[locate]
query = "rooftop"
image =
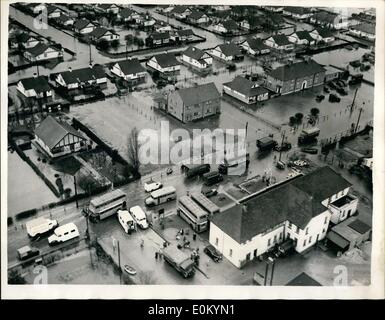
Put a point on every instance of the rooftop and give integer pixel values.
(245, 86)
(303, 279)
(166, 60)
(99, 32)
(82, 23)
(281, 39)
(229, 49)
(83, 75)
(199, 94)
(296, 70)
(304, 35)
(39, 84)
(131, 66)
(324, 16)
(194, 53)
(366, 27)
(38, 49)
(324, 32)
(195, 15)
(230, 24)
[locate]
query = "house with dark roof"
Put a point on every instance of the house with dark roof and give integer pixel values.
(252, 24)
(194, 103)
(295, 209)
(83, 26)
(108, 8)
(162, 26)
(35, 87)
(227, 26)
(54, 11)
(183, 35)
(227, 52)
(165, 63)
(198, 17)
(74, 80)
(245, 90)
(323, 34)
(197, 58)
(276, 9)
(128, 14)
(298, 13)
(158, 39)
(145, 21)
(364, 30)
(27, 40)
(65, 20)
(329, 20)
(181, 12)
(42, 52)
(255, 46)
(130, 70)
(57, 138)
(302, 37)
(279, 42)
(100, 33)
(295, 77)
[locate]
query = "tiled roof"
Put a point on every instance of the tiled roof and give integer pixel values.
(281, 39)
(324, 32)
(304, 35)
(194, 53)
(39, 84)
(195, 15)
(126, 12)
(199, 94)
(230, 49)
(179, 9)
(256, 44)
(82, 75)
(245, 87)
(230, 25)
(296, 70)
(38, 49)
(185, 32)
(131, 66)
(81, 23)
(166, 60)
(99, 32)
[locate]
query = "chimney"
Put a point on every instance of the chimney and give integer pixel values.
(35, 75)
(69, 69)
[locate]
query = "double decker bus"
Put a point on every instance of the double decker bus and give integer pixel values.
(193, 214)
(106, 205)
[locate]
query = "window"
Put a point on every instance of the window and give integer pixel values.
(216, 241)
(326, 220)
(307, 230)
(310, 239)
(304, 242)
(280, 236)
(289, 225)
(323, 230)
(275, 238)
(231, 253)
(269, 242)
(297, 229)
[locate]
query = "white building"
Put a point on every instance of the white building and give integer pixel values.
(245, 90)
(80, 78)
(227, 52)
(197, 58)
(227, 26)
(330, 20)
(41, 52)
(322, 34)
(83, 26)
(100, 33)
(302, 38)
(164, 63)
(296, 209)
(129, 70)
(279, 42)
(255, 46)
(35, 87)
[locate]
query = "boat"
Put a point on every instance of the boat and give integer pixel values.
(130, 270)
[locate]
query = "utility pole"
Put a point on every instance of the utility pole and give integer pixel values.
(89, 46)
(76, 193)
(266, 271)
(126, 50)
(280, 150)
(354, 99)
(37, 69)
(358, 120)
(247, 124)
(272, 273)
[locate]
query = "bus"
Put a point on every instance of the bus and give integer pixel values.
(106, 205)
(160, 196)
(205, 203)
(192, 170)
(192, 213)
(212, 177)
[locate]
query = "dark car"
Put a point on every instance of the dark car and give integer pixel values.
(310, 150)
(210, 192)
(27, 252)
(284, 147)
(213, 253)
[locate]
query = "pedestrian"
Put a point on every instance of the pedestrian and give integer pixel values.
(194, 236)
(156, 255)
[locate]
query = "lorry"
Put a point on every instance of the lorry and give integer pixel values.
(234, 165)
(266, 144)
(308, 135)
(192, 170)
(211, 178)
(40, 226)
(179, 260)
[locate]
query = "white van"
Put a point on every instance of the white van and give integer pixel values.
(64, 233)
(40, 226)
(126, 221)
(139, 216)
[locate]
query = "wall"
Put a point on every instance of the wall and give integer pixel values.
(175, 106)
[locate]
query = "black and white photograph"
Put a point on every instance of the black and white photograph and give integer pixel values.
(192, 144)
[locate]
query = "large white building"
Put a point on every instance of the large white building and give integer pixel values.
(299, 209)
(197, 58)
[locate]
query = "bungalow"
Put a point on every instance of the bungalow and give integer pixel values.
(298, 13)
(322, 34)
(197, 58)
(181, 12)
(145, 21)
(364, 30)
(65, 20)
(41, 52)
(227, 26)
(183, 35)
(295, 77)
(330, 20)
(295, 212)
(83, 26)
(164, 63)
(130, 70)
(252, 24)
(161, 26)
(100, 33)
(194, 103)
(81, 78)
(255, 46)
(245, 90)
(35, 87)
(279, 42)
(301, 37)
(54, 11)
(221, 8)
(128, 15)
(27, 41)
(158, 39)
(57, 138)
(167, 8)
(227, 52)
(108, 8)
(198, 17)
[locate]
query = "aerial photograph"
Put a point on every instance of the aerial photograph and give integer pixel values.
(189, 144)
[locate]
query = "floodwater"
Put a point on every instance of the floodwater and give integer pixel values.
(26, 190)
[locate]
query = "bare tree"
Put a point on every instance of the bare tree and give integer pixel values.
(133, 150)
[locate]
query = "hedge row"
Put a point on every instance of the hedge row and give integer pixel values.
(26, 214)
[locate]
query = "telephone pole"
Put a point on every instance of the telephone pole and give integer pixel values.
(280, 150)
(354, 100)
(358, 120)
(89, 46)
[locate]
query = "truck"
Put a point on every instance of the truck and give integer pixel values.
(266, 144)
(40, 226)
(234, 165)
(192, 170)
(308, 135)
(179, 260)
(211, 178)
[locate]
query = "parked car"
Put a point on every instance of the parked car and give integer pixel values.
(64, 233)
(139, 216)
(152, 186)
(213, 253)
(326, 89)
(310, 150)
(301, 163)
(320, 97)
(284, 147)
(27, 252)
(130, 270)
(334, 98)
(169, 171)
(280, 165)
(210, 192)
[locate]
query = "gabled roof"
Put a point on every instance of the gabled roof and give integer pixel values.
(256, 44)
(298, 10)
(246, 87)
(166, 60)
(296, 70)
(281, 39)
(324, 32)
(185, 32)
(82, 75)
(106, 6)
(51, 131)
(63, 18)
(127, 12)
(199, 94)
(324, 16)
(82, 23)
(366, 27)
(99, 32)
(51, 8)
(194, 53)
(229, 49)
(304, 35)
(179, 9)
(230, 24)
(39, 49)
(131, 66)
(39, 84)
(195, 15)
(24, 37)
(303, 279)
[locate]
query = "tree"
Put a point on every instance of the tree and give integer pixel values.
(103, 44)
(115, 43)
(314, 112)
(292, 120)
(298, 116)
(133, 150)
(14, 277)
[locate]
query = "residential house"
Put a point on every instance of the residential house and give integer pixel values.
(145, 21)
(298, 13)
(167, 9)
(161, 26)
(158, 39)
(227, 52)
(54, 11)
(181, 12)
(28, 41)
(255, 46)
(323, 34)
(65, 20)
(330, 20)
(35, 87)
(295, 77)
(221, 8)
(57, 138)
(83, 26)
(279, 42)
(226, 27)
(165, 63)
(197, 58)
(108, 8)
(128, 15)
(100, 33)
(294, 211)
(302, 37)
(364, 30)
(275, 9)
(252, 24)
(74, 81)
(245, 90)
(183, 35)
(130, 70)
(194, 103)
(198, 17)
(42, 51)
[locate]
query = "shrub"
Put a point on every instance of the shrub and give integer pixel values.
(9, 221)
(26, 214)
